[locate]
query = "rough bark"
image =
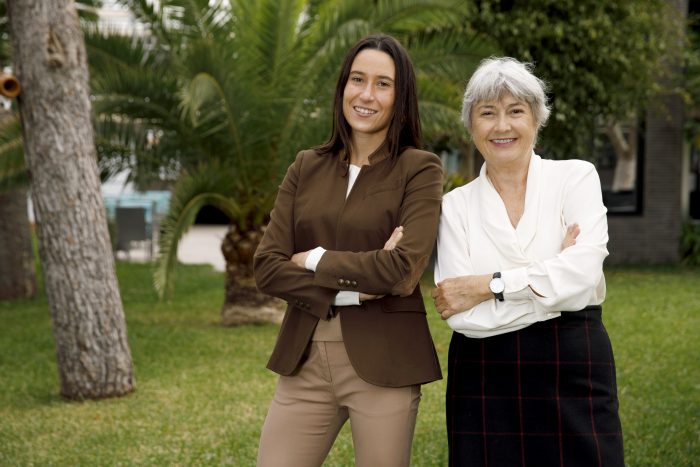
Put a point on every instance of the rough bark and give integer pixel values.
(89, 328)
(17, 276)
(243, 303)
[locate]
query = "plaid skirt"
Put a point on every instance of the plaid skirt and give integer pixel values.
(545, 395)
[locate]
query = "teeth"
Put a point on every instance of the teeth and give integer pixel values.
(365, 111)
(503, 141)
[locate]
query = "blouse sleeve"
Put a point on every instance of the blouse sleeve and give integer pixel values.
(568, 281)
(275, 273)
(396, 271)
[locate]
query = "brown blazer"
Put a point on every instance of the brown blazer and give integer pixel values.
(387, 340)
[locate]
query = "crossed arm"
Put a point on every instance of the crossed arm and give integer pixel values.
(454, 295)
(300, 258)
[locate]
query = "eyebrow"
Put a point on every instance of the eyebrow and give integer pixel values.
(491, 106)
(365, 74)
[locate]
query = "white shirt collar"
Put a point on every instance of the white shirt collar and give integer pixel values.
(511, 241)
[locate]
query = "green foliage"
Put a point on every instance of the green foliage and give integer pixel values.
(452, 181)
(13, 171)
(691, 86)
(241, 88)
(203, 390)
(601, 59)
(690, 244)
(207, 185)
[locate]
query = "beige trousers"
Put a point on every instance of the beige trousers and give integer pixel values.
(309, 409)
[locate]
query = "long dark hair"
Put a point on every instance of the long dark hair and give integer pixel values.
(404, 129)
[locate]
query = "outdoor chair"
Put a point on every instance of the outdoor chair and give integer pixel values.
(131, 229)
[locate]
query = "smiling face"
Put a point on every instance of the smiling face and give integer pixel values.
(368, 97)
(503, 130)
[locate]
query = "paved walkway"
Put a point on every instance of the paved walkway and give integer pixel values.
(200, 245)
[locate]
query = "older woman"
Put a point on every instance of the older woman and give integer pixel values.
(520, 280)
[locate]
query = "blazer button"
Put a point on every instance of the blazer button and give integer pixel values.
(341, 282)
(354, 284)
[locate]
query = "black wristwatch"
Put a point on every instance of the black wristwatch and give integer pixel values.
(497, 286)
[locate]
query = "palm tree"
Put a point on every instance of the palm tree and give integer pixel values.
(223, 94)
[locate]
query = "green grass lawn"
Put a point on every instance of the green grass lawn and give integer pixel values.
(203, 390)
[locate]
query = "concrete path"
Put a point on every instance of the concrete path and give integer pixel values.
(200, 245)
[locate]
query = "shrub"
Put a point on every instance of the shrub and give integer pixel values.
(690, 244)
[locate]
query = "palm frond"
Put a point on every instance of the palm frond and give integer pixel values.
(109, 47)
(243, 85)
(210, 186)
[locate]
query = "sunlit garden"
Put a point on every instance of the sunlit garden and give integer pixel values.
(202, 390)
(188, 111)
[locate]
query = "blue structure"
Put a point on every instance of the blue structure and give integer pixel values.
(156, 203)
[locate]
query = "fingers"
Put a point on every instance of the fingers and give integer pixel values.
(572, 231)
(365, 297)
(300, 258)
(440, 303)
(394, 239)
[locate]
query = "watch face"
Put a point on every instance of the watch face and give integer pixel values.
(497, 285)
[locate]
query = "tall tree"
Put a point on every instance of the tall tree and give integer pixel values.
(93, 355)
(17, 275)
(601, 59)
(250, 83)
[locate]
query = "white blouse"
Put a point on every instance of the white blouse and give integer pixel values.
(476, 237)
(343, 297)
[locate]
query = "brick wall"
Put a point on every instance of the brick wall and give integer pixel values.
(652, 237)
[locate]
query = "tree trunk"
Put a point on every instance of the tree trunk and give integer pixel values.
(89, 328)
(469, 166)
(17, 277)
(243, 303)
(625, 177)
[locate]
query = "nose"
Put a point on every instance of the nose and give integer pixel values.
(367, 92)
(502, 123)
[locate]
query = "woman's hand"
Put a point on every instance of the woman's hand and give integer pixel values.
(300, 258)
(572, 232)
(390, 244)
(366, 297)
(394, 239)
(458, 294)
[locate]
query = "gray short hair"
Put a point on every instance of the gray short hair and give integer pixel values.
(498, 75)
